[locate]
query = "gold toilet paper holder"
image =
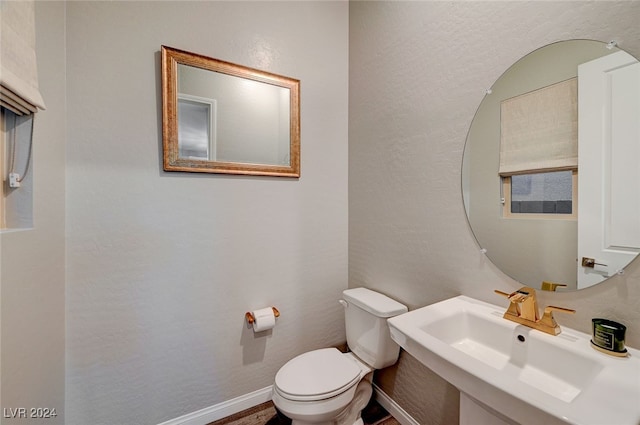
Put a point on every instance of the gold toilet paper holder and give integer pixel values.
(250, 319)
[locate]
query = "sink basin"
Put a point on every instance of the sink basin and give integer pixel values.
(523, 374)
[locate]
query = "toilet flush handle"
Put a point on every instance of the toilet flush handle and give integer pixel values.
(344, 303)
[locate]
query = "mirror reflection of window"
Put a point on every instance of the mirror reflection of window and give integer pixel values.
(542, 193)
(538, 143)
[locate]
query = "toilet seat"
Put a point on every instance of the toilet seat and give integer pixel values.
(317, 375)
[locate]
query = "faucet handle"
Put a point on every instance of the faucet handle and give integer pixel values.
(549, 320)
(551, 308)
(515, 298)
(513, 307)
(518, 296)
(522, 303)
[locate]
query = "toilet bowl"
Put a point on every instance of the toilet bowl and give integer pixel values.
(323, 387)
(327, 387)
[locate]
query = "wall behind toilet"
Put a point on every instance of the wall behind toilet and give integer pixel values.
(161, 267)
(418, 71)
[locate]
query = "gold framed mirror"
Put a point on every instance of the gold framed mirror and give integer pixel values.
(220, 117)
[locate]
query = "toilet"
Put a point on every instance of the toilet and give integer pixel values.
(328, 387)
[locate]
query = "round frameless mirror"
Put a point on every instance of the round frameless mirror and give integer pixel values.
(551, 173)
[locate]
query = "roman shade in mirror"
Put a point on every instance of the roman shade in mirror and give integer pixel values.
(18, 66)
(539, 130)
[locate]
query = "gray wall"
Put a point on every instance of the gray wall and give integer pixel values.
(161, 267)
(418, 71)
(32, 261)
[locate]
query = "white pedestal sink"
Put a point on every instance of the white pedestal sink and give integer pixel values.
(526, 375)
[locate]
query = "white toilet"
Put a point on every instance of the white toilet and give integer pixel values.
(327, 387)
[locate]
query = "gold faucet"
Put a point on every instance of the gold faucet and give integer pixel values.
(523, 309)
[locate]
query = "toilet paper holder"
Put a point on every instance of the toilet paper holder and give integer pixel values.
(250, 319)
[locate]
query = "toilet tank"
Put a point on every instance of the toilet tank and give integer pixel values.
(366, 313)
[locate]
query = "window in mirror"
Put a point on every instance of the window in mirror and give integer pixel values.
(550, 194)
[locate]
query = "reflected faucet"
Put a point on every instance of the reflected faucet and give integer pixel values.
(523, 309)
(551, 286)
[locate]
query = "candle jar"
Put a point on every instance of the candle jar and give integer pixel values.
(608, 336)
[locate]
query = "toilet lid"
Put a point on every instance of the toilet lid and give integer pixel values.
(317, 375)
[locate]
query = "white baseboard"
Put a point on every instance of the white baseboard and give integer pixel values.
(247, 401)
(224, 409)
(392, 407)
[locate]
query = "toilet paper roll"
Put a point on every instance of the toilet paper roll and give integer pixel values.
(263, 319)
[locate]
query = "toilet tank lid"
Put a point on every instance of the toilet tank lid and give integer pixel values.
(374, 302)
